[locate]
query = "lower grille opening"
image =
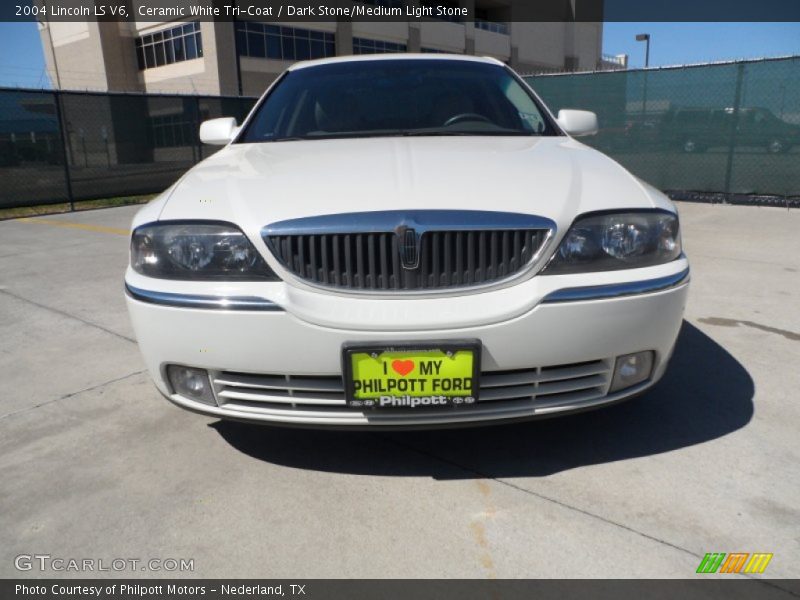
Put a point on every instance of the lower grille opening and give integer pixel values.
(541, 387)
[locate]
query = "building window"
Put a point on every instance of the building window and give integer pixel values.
(169, 46)
(367, 46)
(169, 131)
(492, 26)
(437, 51)
(283, 43)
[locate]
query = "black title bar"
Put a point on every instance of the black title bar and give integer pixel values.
(396, 589)
(400, 10)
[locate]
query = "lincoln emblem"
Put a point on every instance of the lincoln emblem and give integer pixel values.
(407, 244)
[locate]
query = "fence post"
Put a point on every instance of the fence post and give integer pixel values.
(63, 131)
(238, 51)
(197, 151)
(737, 99)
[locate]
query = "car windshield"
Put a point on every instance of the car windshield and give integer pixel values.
(402, 97)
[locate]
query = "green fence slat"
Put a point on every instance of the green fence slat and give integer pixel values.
(732, 127)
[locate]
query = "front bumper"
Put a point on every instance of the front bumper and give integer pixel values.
(274, 366)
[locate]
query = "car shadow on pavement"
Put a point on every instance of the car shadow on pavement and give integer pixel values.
(705, 394)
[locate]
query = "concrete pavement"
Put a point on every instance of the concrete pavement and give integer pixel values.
(95, 464)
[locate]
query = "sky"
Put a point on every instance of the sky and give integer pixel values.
(21, 57)
(682, 43)
(22, 62)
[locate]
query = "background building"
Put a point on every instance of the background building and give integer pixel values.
(243, 57)
(140, 141)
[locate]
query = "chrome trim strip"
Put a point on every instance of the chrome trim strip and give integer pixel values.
(357, 419)
(192, 301)
(615, 290)
(386, 221)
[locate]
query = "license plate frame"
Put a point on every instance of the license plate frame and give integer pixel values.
(378, 349)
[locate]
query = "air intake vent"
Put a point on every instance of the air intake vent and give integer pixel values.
(375, 261)
(408, 256)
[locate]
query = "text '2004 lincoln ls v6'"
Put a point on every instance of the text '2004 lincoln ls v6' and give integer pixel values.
(404, 240)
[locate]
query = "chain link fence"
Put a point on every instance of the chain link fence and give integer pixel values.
(65, 146)
(727, 128)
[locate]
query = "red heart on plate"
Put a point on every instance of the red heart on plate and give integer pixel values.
(404, 367)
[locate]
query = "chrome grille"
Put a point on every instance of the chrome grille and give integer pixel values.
(540, 387)
(413, 250)
(375, 261)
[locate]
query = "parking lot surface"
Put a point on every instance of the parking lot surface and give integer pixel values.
(94, 463)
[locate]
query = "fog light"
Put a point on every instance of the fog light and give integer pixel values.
(191, 383)
(631, 369)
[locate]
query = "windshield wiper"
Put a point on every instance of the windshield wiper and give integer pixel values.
(402, 133)
(431, 133)
(423, 133)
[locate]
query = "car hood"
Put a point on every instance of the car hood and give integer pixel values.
(254, 185)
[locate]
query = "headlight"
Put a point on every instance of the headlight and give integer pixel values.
(610, 241)
(197, 251)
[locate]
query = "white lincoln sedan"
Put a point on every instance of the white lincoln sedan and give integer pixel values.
(404, 241)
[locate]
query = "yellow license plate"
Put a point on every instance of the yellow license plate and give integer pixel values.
(422, 375)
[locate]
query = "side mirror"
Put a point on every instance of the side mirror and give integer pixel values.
(578, 122)
(218, 132)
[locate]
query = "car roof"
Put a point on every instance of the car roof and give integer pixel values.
(393, 56)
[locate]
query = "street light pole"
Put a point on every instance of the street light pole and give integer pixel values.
(645, 37)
